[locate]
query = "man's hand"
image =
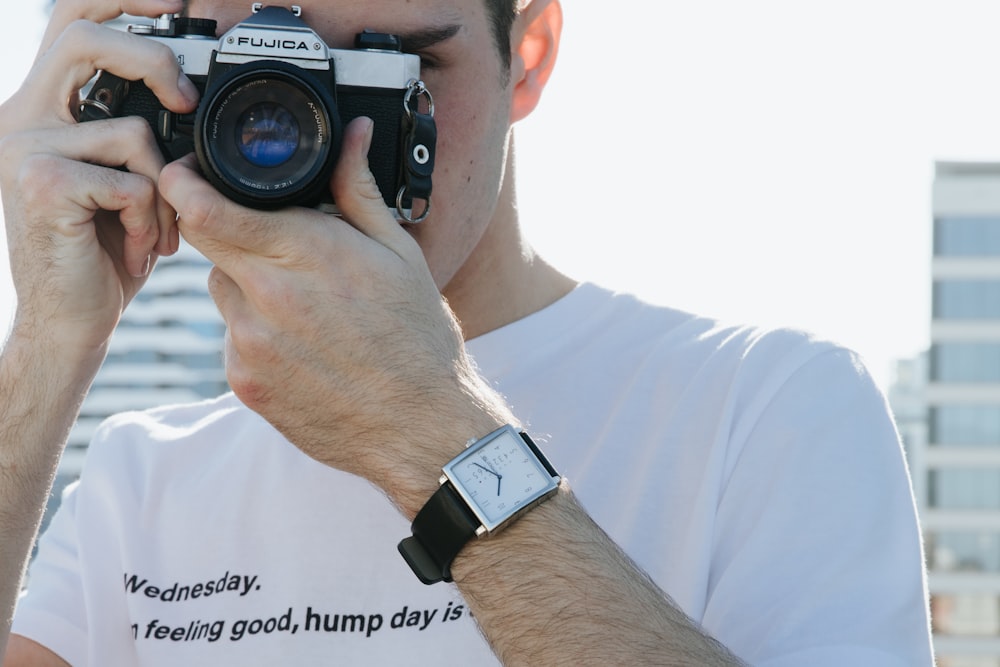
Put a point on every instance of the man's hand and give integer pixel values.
(82, 235)
(82, 232)
(337, 333)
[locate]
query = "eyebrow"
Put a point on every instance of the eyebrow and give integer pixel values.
(422, 39)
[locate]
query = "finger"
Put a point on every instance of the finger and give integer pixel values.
(66, 11)
(225, 293)
(247, 339)
(200, 209)
(83, 190)
(127, 142)
(230, 303)
(84, 48)
(249, 335)
(133, 197)
(221, 229)
(117, 142)
(356, 192)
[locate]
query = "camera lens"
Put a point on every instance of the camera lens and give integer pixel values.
(268, 135)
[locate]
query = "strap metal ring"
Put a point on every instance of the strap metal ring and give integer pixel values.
(418, 88)
(100, 106)
(407, 214)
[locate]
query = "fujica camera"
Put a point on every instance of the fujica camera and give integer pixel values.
(274, 101)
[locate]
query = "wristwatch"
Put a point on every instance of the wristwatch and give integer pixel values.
(484, 489)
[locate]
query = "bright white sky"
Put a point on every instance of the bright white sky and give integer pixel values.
(765, 161)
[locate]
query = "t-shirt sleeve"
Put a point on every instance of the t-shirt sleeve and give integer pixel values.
(817, 556)
(51, 611)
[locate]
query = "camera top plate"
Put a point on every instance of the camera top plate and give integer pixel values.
(274, 32)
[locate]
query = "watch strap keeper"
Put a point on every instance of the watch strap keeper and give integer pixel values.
(440, 530)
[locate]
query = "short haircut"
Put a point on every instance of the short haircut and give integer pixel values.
(502, 14)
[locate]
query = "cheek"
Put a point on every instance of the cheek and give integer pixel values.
(471, 140)
(472, 122)
(465, 201)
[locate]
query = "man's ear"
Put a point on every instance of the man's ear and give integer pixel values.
(534, 46)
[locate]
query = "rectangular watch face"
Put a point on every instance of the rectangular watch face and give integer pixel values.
(500, 476)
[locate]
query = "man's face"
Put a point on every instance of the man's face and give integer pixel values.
(464, 74)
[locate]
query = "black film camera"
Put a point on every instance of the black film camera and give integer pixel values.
(274, 101)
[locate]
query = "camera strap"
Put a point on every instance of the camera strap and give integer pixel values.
(419, 142)
(105, 98)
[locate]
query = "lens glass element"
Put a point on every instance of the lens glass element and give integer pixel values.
(267, 134)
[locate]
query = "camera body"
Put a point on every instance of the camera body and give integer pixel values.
(274, 101)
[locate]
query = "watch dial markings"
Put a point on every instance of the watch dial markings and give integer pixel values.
(504, 457)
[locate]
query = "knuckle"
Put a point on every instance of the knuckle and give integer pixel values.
(199, 213)
(217, 284)
(78, 33)
(38, 177)
(368, 188)
(251, 392)
(136, 130)
(118, 189)
(362, 188)
(272, 295)
(242, 380)
(141, 190)
(253, 341)
(132, 194)
(13, 114)
(163, 58)
(11, 148)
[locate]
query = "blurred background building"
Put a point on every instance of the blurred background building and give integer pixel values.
(947, 406)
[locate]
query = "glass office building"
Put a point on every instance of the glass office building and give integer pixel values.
(956, 459)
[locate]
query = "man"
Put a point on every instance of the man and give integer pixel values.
(755, 476)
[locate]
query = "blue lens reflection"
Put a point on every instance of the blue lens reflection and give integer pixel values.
(267, 134)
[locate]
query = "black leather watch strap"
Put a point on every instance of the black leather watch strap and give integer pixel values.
(442, 527)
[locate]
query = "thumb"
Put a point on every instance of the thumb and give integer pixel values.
(354, 188)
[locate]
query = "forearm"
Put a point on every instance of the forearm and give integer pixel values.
(40, 397)
(553, 589)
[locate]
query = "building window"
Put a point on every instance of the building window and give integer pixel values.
(965, 614)
(965, 362)
(965, 425)
(964, 489)
(967, 237)
(966, 299)
(963, 551)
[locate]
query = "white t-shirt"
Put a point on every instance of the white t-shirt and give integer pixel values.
(756, 476)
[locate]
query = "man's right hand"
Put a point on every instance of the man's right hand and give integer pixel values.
(82, 232)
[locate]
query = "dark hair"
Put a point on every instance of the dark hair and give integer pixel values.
(502, 14)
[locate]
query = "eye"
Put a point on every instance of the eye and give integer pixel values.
(428, 62)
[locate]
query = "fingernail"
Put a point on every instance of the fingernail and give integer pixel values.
(369, 131)
(187, 88)
(145, 267)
